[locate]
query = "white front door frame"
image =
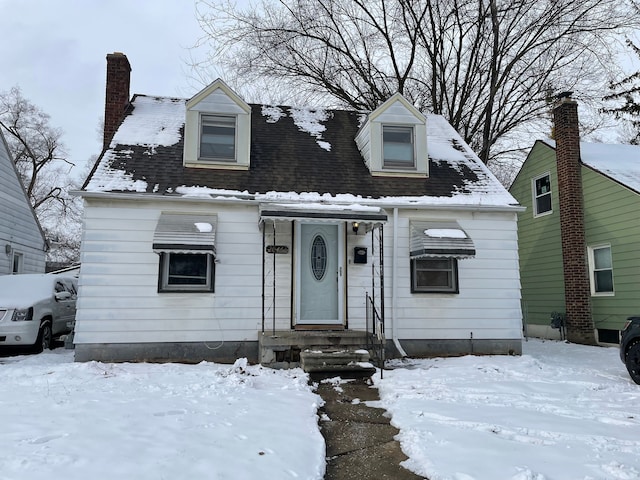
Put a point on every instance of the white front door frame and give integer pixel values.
(300, 260)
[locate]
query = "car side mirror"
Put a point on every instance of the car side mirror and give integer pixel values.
(63, 296)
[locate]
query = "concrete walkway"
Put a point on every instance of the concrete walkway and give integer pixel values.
(359, 439)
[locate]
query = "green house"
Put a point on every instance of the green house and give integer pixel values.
(610, 204)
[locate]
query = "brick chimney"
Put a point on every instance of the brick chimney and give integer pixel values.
(117, 94)
(580, 327)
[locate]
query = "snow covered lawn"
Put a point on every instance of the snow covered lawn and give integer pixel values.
(558, 412)
(65, 420)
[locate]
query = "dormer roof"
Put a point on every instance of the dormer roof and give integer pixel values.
(390, 102)
(218, 96)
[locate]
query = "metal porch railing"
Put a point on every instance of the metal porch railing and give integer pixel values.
(375, 332)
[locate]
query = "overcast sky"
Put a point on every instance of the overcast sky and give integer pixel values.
(55, 50)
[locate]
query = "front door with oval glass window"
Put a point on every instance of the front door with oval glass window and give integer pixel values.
(319, 279)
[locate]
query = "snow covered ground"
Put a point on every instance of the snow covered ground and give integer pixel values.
(78, 421)
(558, 412)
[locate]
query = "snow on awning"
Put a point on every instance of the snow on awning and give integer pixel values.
(440, 239)
(318, 212)
(182, 233)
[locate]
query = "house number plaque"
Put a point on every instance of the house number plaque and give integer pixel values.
(277, 249)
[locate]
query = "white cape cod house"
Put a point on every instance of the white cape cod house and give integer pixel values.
(215, 229)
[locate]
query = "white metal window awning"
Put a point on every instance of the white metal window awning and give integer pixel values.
(440, 239)
(185, 233)
(319, 212)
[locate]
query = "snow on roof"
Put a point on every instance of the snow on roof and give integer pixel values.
(273, 114)
(109, 179)
(620, 162)
(307, 120)
(445, 233)
(157, 121)
(617, 161)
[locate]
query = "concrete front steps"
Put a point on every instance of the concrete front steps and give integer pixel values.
(318, 351)
(338, 362)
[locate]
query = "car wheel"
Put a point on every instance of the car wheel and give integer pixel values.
(45, 338)
(632, 361)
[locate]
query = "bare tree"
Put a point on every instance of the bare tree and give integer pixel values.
(486, 65)
(44, 170)
(623, 103)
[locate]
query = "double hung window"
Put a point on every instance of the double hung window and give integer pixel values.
(218, 138)
(398, 146)
(542, 194)
(601, 270)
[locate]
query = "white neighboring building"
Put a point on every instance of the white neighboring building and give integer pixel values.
(213, 228)
(22, 243)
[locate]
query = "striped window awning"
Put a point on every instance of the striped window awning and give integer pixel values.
(440, 239)
(185, 233)
(323, 213)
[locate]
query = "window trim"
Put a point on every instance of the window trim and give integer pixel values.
(455, 287)
(204, 159)
(535, 196)
(399, 165)
(592, 270)
(163, 275)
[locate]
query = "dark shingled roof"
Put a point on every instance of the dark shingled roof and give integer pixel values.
(283, 158)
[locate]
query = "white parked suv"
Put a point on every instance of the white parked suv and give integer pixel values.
(36, 308)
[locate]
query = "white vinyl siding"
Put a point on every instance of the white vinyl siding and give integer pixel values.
(488, 303)
(119, 300)
(18, 227)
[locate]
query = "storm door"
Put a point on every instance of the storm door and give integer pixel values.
(319, 280)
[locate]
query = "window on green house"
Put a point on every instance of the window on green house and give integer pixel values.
(542, 194)
(601, 270)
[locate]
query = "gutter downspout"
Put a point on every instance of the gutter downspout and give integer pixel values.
(394, 286)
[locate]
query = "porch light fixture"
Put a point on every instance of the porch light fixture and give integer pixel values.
(354, 227)
(7, 249)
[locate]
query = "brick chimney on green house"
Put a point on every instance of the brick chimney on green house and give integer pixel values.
(117, 94)
(579, 322)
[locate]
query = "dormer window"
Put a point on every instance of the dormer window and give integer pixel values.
(218, 138)
(393, 140)
(217, 129)
(398, 146)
